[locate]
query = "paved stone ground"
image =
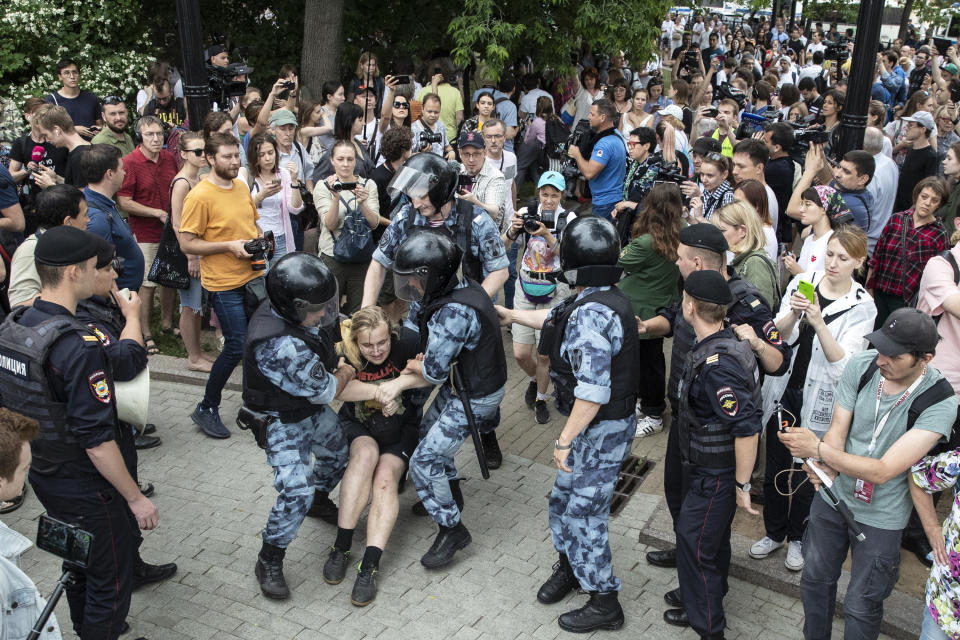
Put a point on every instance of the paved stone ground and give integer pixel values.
(214, 495)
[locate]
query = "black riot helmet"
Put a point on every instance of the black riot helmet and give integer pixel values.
(426, 175)
(299, 284)
(426, 265)
(589, 251)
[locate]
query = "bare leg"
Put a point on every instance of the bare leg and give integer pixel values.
(525, 358)
(167, 297)
(190, 333)
(146, 309)
(355, 485)
(543, 373)
(386, 504)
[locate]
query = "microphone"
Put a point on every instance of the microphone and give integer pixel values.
(38, 154)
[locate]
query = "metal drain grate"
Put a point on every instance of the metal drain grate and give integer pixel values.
(633, 471)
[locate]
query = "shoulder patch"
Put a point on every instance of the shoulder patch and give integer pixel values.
(89, 338)
(772, 334)
(99, 386)
(101, 336)
(754, 303)
(318, 372)
(576, 359)
(599, 153)
(728, 401)
(713, 359)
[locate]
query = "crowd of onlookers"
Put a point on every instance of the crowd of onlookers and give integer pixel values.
(716, 127)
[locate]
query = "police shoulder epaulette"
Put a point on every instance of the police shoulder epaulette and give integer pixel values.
(715, 358)
(89, 338)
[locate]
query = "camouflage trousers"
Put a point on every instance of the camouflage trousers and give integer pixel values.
(306, 456)
(443, 430)
(579, 504)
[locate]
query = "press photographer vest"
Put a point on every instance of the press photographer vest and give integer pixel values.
(586, 149)
(259, 394)
(462, 234)
(623, 377)
(711, 445)
(25, 388)
(484, 369)
(684, 336)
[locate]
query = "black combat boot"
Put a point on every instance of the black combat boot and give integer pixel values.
(602, 611)
(420, 510)
(269, 572)
(449, 540)
(559, 584)
(323, 507)
(491, 449)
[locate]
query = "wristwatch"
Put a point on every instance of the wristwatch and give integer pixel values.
(745, 486)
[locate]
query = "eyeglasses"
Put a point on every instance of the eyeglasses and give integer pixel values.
(632, 143)
(401, 105)
(152, 134)
(70, 72)
(196, 152)
(112, 100)
(493, 136)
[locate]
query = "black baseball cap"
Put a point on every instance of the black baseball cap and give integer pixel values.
(704, 235)
(706, 145)
(904, 331)
(471, 139)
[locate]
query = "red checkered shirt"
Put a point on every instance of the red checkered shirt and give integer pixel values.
(902, 252)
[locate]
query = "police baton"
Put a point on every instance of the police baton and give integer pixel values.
(471, 422)
(826, 484)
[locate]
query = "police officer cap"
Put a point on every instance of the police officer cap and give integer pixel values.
(708, 285)
(704, 236)
(62, 246)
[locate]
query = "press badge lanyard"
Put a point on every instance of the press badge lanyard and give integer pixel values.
(882, 422)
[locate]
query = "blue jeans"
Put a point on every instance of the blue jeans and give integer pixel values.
(604, 210)
(875, 566)
(510, 286)
(233, 324)
(930, 629)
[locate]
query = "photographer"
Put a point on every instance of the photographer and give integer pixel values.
(686, 58)
(489, 190)
(603, 158)
(16, 432)
(427, 135)
(537, 232)
(219, 218)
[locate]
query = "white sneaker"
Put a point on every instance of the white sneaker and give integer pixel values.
(762, 548)
(640, 414)
(794, 560)
(649, 425)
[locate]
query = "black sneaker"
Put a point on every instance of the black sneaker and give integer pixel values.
(543, 414)
(531, 395)
(335, 568)
(491, 449)
(209, 422)
(365, 586)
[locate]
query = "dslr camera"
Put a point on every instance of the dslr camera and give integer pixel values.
(577, 137)
(343, 186)
(534, 216)
(260, 250)
(430, 137)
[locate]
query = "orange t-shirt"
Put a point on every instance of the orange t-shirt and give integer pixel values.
(216, 214)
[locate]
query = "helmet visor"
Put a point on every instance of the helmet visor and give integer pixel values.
(411, 182)
(410, 285)
(323, 314)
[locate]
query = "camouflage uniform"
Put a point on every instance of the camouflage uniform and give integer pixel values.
(444, 427)
(293, 367)
(486, 245)
(580, 499)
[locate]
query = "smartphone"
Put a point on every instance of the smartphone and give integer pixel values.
(402, 79)
(67, 541)
(806, 290)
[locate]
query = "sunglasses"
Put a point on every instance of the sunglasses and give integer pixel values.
(196, 152)
(111, 100)
(713, 156)
(401, 105)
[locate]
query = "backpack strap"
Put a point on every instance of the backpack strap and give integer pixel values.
(948, 256)
(867, 375)
(939, 392)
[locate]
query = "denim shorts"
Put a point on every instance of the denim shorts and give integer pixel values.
(192, 298)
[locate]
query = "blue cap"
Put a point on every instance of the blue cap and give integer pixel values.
(553, 179)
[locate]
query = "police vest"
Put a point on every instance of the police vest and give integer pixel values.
(462, 234)
(25, 388)
(684, 336)
(259, 393)
(623, 367)
(484, 369)
(711, 444)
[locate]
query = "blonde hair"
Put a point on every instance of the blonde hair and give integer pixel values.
(854, 242)
(366, 319)
(742, 214)
(365, 57)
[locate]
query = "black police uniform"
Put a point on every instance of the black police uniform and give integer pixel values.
(64, 381)
(748, 307)
(719, 402)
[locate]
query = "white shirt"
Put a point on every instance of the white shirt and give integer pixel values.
(528, 103)
(507, 165)
(813, 251)
(419, 126)
(812, 48)
(883, 188)
(773, 206)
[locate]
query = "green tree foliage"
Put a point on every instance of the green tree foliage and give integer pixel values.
(108, 38)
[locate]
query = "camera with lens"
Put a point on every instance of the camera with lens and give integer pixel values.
(811, 135)
(726, 90)
(691, 60)
(260, 250)
(338, 185)
(223, 83)
(672, 173)
(578, 137)
(837, 51)
(751, 123)
(430, 137)
(118, 263)
(531, 217)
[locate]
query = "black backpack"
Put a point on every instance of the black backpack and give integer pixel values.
(556, 134)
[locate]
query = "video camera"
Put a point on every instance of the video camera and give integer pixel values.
(223, 81)
(691, 60)
(726, 91)
(837, 51)
(577, 137)
(751, 123)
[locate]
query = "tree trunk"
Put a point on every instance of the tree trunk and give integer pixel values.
(905, 19)
(322, 44)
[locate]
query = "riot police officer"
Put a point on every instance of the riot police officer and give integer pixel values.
(703, 247)
(458, 328)
(718, 424)
(56, 371)
(431, 183)
(593, 344)
(115, 320)
(290, 374)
